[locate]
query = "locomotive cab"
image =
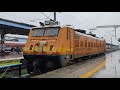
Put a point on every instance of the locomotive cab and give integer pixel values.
(43, 40)
(47, 38)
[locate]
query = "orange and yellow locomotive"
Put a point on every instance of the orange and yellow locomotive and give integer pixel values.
(54, 46)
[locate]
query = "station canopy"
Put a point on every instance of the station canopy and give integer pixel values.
(13, 27)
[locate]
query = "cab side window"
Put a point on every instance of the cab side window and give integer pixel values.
(68, 34)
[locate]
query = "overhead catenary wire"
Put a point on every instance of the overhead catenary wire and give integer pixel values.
(50, 14)
(33, 20)
(43, 18)
(45, 15)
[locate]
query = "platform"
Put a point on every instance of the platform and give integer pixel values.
(11, 56)
(111, 68)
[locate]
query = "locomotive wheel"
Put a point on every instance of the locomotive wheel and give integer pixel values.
(36, 67)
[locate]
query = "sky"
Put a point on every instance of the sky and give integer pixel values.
(80, 20)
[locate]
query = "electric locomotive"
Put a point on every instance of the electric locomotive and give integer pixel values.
(54, 46)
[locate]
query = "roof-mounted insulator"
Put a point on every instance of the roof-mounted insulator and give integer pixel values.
(51, 22)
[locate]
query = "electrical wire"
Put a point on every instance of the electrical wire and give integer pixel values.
(50, 14)
(44, 15)
(43, 18)
(34, 20)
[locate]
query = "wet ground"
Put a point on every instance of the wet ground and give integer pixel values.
(107, 66)
(111, 69)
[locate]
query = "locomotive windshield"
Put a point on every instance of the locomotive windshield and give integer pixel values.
(38, 32)
(52, 31)
(45, 31)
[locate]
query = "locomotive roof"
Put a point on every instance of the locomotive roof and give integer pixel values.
(46, 26)
(69, 27)
(89, 36)
(60, 26)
